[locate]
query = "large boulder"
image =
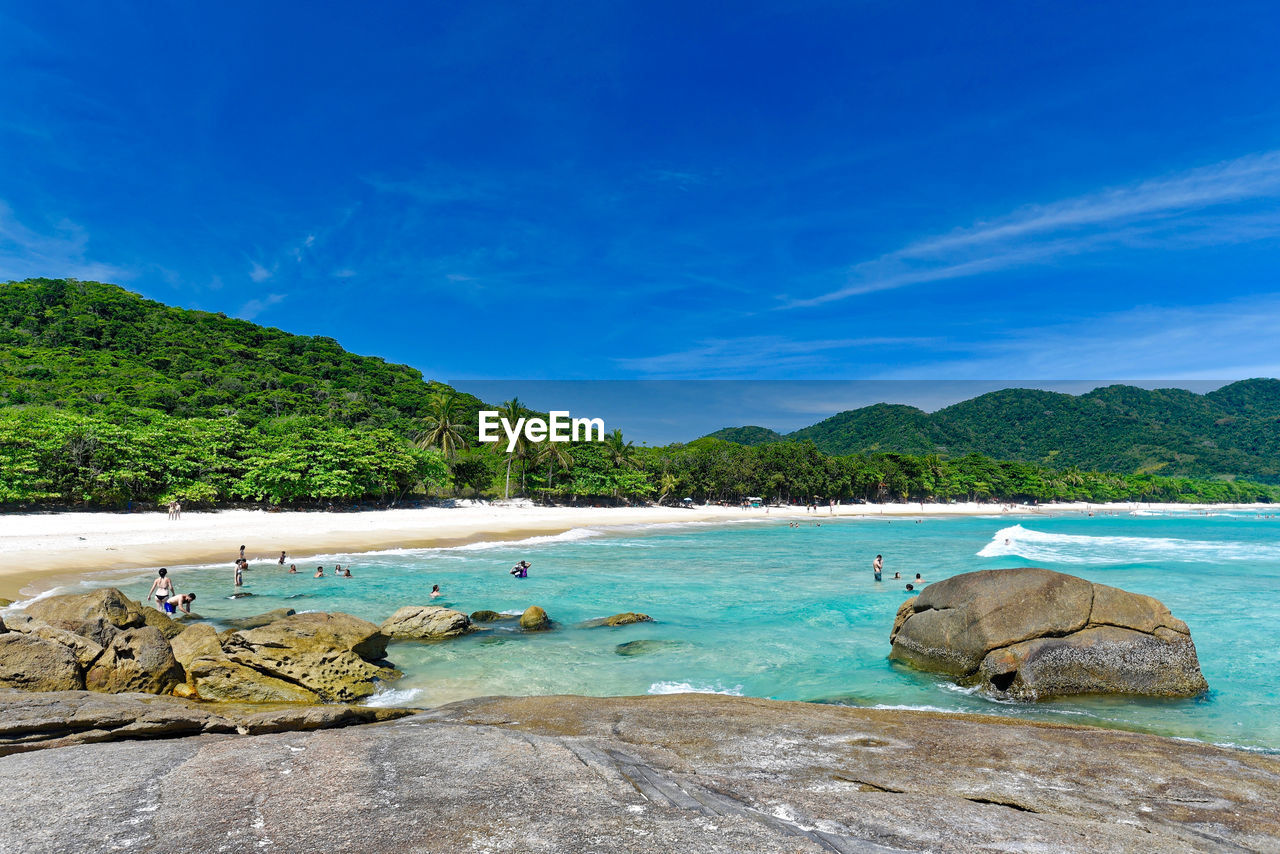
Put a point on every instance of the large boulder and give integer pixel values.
(220, 678)
(1032, 634)
(136, 660)
(97, 615)
(85, 650)
(332, 655)
(534, 619)
(199, 640)
(426, 622)
(34, 663)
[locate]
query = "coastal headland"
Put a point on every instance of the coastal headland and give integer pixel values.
(43, 550)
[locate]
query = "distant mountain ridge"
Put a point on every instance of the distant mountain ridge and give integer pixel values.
(1233, 431)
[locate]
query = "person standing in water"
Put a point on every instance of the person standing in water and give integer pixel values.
(877, 566)
(239, 573)
(161, 589)
(282, 558)
(175, 603)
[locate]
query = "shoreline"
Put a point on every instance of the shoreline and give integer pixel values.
(46, 550)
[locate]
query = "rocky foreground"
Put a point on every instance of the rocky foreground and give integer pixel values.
(677, 773)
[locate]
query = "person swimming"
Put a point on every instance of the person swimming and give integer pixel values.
(346, 573)
(910, 588)
(319, 572)
(293, 568)
(521, 569)
(435, 591)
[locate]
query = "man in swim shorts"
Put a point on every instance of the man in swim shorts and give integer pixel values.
(877, 565)
(182, 601)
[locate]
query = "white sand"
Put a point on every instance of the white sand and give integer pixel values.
(42, 550)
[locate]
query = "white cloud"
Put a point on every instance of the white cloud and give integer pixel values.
(255, 307)
(1181, 211)
(344, 273)
(259, 273)
(61, 251)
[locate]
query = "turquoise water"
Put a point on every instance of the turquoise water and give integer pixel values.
(762, 609)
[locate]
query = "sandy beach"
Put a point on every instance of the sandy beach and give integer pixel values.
(43, 550)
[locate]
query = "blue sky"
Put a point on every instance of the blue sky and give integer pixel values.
(896, 190)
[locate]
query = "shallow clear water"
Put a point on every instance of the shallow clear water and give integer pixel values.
(765, 610)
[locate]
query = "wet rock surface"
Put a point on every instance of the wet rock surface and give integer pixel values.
(1033, 634)
(681, 773)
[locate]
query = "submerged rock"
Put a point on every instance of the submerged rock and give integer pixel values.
(426, 622)
(491, 616)
(647, 647)
(618, 620)
(534, 619)
(1032, 634)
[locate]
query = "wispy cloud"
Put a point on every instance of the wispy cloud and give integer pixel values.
(63, 250)
(259, 273)
(255, 307)
(1223, 341)
(1187, 209)
(751, 356)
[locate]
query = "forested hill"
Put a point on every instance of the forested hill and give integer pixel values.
(102, 350)
(1231, 432)
(746, 435)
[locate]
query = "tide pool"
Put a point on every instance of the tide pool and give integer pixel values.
(762, 609)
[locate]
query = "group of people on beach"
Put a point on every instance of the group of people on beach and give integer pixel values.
(167, 599)
(175, 511)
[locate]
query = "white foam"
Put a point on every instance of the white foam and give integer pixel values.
(387, 697)
(690, 688)
(570, 536)
(1078, 548)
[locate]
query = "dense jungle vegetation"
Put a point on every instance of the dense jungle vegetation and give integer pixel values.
(111, 400)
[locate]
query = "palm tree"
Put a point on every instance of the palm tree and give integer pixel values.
(441, 426)
(553, 454)
(668, 485)
(513, 410)
(620, 454)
